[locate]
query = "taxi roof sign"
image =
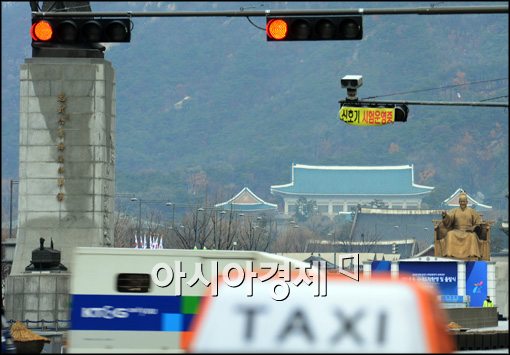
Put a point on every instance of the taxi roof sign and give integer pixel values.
(378, 315)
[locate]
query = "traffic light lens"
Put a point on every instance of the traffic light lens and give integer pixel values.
(301, 29)
(325, 29)
(116, 31)
(91, 31)
(68, 32)
(41, 31)
(350, 29)
(277, 29)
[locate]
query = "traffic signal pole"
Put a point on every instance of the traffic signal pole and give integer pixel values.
(431, 10)
(362, 112)
(430, 103)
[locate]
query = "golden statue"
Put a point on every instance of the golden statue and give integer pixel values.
(463, 226)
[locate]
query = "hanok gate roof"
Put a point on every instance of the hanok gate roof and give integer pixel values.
(453, 201)
(351, 180)
(247, 201)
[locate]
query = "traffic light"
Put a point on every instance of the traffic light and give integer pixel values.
(80, 30)
(373, 114)
(314, 28)
(394, 248)
(401, 112)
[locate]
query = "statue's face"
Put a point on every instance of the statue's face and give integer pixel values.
(463, 202)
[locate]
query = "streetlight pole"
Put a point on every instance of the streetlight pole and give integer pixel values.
(139, 217)
(333, 234)
(12, 182)
(140, 201)
(173, 212)
(401, 236)
(139, 213)
(200, 209)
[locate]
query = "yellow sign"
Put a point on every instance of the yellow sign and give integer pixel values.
(367, 116)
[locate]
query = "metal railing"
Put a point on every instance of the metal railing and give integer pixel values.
(43, 326)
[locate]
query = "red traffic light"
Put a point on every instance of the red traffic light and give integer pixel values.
(277, 29)
(314, 28)
(78, 30)
(41, 31)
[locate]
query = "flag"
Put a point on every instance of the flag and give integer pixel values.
(136, 242)
(160, 242)
(150, 242)
(144, 241)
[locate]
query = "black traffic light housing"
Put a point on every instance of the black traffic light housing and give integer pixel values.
(76, 36)
(401, 111)
(84, 30)
(314, 28)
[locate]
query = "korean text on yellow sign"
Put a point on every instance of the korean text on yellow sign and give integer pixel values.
(367, 116)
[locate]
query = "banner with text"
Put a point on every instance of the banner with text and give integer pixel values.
(442, 274)
(367, 116)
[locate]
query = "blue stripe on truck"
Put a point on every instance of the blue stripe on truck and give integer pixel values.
(128, 312)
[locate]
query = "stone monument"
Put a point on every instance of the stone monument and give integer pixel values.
(66, 176)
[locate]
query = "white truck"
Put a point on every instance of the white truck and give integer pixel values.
(138, 301)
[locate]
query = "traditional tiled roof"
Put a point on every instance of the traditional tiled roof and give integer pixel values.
(246, 201)
(398, 225)
(352, 180)
(405, 247)
(453, 201)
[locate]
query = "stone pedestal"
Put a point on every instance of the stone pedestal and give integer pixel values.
(38, 296)
(66, 178)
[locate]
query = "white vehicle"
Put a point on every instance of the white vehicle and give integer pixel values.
(139, 301)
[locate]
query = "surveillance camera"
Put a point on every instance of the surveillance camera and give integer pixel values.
(351, 81)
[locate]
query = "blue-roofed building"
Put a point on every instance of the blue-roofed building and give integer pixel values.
(453, 201)
(340, 189)
(247, 202)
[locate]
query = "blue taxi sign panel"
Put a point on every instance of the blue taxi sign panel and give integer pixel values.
(372, 316)
(367, 116)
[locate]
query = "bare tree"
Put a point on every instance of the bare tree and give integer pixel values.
(294, 240)
(153, 224)
(184, 233)
(369, 241)
(366, 244)
(320, 224)
(225, 230)
(254, 236)
(195, 229)
(124, 229)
